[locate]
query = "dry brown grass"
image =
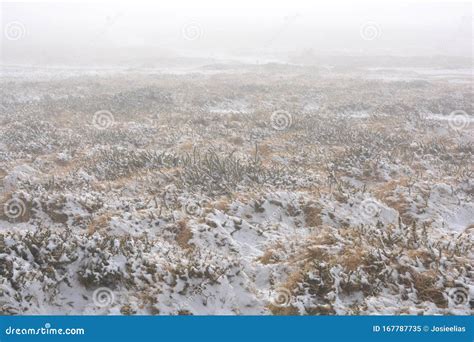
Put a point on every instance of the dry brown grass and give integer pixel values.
(289, 310)
(352, 258)
(312, 215)
(184, 235)
(239, 141)
(421, 254)
(323, 237)
(313, 253)
(98, 224)
(186, 147)
(384, 189)
(424, 283)
(265, 150)
(268, 258)
(402, 205)
(222, 204)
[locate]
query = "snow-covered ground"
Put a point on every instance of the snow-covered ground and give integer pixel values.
(262, 190)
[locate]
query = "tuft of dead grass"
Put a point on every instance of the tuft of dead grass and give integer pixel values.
(184, 235)
(425, 285)
(98, 224)
(312, 215)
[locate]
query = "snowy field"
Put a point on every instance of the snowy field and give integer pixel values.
(241, 189)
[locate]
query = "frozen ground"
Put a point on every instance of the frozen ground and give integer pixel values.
(243, 189)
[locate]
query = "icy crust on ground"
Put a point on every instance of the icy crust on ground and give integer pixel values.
(192, 198)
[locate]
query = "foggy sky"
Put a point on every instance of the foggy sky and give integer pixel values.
(111, 32)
